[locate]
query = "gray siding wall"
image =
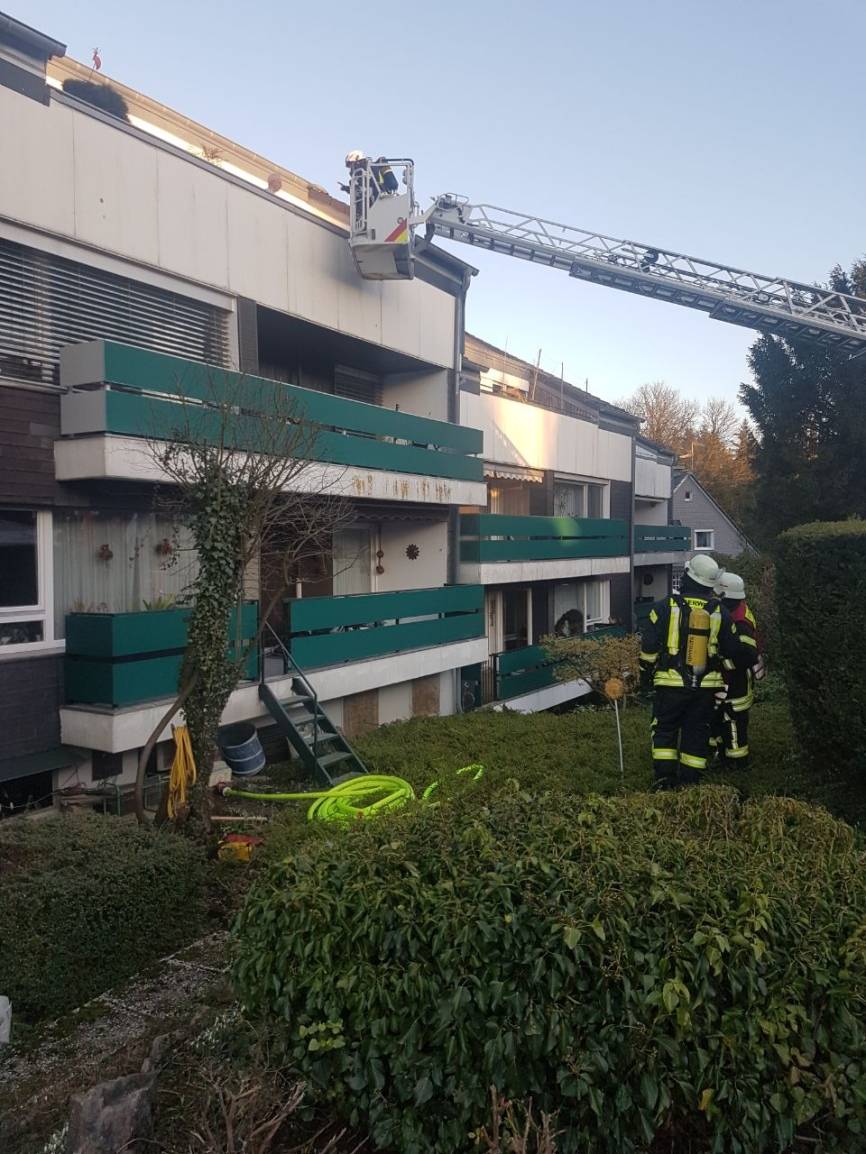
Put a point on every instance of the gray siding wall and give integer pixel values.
(31, 690)
(621, 598)
(701, 513)
(620, 500)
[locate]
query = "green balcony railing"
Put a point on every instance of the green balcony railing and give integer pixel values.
(121, 659)
(662, 538)
(498, 537)
(152, 395)
(332, 630)
(523, 670)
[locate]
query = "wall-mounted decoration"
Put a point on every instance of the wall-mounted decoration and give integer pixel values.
(413, 552)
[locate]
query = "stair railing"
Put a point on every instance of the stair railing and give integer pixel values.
(291, 666)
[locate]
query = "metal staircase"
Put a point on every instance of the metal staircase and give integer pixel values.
(321, 748)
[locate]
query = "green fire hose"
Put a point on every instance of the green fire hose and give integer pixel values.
(357, 797)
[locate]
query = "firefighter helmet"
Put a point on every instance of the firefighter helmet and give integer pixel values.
(355, 157)
(703, 570)
(731, 585)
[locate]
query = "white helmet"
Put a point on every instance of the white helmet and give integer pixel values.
(703, 570)
(355, 156)
(732, 586)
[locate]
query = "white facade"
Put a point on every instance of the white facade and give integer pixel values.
(522, 434)
(90, 180)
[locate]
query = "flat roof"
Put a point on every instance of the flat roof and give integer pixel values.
(28, 40)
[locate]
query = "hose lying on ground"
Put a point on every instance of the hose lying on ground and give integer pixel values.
(357, 797)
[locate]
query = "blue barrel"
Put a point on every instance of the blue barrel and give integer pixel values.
(242, 749)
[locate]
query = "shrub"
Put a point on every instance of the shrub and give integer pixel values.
(597, 660)
(759, 574)
(683, 968)
(86, 901)
(823, 640)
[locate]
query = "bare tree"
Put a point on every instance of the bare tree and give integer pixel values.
(241, 460)
(669, 419)
(719, 422)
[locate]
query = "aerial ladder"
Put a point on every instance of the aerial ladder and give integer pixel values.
(385, 236)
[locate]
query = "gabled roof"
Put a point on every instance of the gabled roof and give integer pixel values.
(682, 475)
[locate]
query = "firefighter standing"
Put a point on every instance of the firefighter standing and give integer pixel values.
(732, 731)
(685, 641)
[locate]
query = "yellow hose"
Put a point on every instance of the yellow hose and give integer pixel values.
(358, 797)
(183, 774)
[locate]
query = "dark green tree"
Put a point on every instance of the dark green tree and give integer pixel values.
(808, 405)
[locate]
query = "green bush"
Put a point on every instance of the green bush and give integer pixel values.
(759, 573)
(823, 641)
(86, 901)
(682, 968)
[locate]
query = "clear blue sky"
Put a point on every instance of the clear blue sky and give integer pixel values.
(732, 131)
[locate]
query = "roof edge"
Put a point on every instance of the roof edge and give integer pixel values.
(34, 42)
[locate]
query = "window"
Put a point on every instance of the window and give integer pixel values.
(687, 495)
(107, 562)
(578, 499)
(26, 593)
(352, 554)
(596, 598)
(704, 538)
(595, 500)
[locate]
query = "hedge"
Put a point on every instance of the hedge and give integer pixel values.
(823, 641)
(683, 968)
(86, 901)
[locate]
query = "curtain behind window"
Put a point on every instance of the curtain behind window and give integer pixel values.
(115, 562)
(352, 562)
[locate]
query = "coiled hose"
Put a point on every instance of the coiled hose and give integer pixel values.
(357, 797)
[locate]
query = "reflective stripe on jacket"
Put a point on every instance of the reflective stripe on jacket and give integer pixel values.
(664, 639)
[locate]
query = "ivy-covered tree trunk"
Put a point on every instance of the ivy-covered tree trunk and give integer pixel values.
(210, 665)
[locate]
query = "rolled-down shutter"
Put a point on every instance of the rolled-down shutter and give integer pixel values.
(47, 302)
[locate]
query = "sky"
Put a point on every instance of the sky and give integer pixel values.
(730, 131)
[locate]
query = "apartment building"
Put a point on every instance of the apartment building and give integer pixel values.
(140, 252)
(135, 249)
(563, 544)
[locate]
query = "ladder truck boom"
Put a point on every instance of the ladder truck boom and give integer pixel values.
(383, 242)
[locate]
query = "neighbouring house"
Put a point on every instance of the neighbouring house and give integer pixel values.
(492, 503)
(712, 530)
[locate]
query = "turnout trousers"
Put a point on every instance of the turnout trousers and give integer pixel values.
(731, 736)
(681, 725)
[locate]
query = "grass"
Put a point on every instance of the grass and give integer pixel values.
(576, 750)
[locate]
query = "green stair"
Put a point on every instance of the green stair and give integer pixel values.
(321, 748)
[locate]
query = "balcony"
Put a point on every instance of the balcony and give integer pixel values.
(117, 660)
(122, 668)
(327, 631)
(661, 544)
(124, 397)
(501, 548)
(519, 678)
